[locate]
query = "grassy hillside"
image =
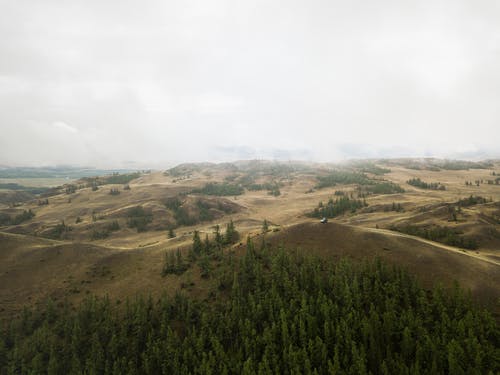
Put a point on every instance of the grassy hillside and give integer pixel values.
(99, 247)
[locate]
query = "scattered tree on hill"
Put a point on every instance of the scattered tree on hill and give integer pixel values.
(394, 207)
(417, 182)
(219, 239)
(174, 263)
(113, 226)
(22, 217)
(265, 226)
(446, 235)
(205, 267)
(197, 247)
(223, 189)
(171, 233)
(119, 179)
(207, 245)
(206, 211)
(384, 188)
(213, 249)
(70, 189)
(337, 207)
(98, 234)
(342, 177)
(60, 231)
(275, 191)
(374, 169)
(231, 235)
(139, 218)
(114, 191)
(471, 201)
(4, 218)
(104, 232)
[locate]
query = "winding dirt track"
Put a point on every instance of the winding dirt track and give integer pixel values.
(435, 244)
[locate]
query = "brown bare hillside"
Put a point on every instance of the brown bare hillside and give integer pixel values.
(33, 269)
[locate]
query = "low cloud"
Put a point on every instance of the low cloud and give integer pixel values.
(64, 126)
(90, 82)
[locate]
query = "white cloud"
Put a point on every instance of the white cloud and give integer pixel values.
(195, 80)
(65, 127)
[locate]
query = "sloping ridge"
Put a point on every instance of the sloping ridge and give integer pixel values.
(34, 268)
(431, 263)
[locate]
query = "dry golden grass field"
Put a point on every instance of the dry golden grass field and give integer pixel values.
(40, 257)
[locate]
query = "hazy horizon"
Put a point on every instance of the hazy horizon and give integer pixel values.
(134, 85)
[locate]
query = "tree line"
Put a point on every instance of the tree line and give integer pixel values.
(342, 177)
(202, 251)
(220, 189)
(338, 207)
(417, 182)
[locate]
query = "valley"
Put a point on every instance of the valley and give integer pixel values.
(109, 235)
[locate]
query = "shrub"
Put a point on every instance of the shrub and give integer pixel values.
(114, 191)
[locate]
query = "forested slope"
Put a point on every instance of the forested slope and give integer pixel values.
(271, 311)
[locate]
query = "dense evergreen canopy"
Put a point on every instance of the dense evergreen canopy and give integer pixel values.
(271, 312)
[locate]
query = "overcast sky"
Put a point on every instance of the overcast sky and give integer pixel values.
(113, 83)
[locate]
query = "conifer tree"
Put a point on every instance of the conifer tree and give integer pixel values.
(265, 226)
(218, 236)
(197, 246)
(232, 234)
